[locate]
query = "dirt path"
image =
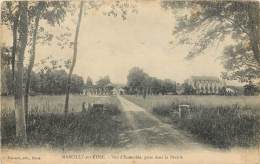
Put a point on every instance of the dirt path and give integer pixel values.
(146, 130)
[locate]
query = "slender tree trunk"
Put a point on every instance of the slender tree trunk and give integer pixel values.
(66, 108)
(14, 49)
(19, 110)
(254, 25)
(31, 63)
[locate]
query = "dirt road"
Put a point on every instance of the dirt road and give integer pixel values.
(146, 130)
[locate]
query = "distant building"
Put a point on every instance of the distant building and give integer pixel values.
(121, 91)
(98, 90)
(205, 84)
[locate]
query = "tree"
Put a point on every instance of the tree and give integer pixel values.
(121, 5)
(103, 81)
(89, 85)
(18, 16)
(188, 89)
(53, 82)
(10, 14)
(250, 89)
(89, 82)
(168, 86)
(22, 42)
(39, 8)
(212, 21)
(156, 85)
(75, 49)
(239, 65)
(136, 79)
(53, 12)
(139, 82)
(104, 85)
(77, 84)
(6, 75)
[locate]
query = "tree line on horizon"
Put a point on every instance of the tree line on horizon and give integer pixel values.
(141, 83)
(50, 80)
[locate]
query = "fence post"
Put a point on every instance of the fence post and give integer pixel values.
(179, 111)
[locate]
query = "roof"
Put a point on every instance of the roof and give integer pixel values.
(109, 85)
(210, 78)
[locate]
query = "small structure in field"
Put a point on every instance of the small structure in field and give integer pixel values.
(184, 111)
(97, 108)
(86, 106)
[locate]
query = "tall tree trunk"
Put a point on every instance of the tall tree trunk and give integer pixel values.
(254, 25)
(75, 50)
(19, 110)
(14, 49)
(31, 63)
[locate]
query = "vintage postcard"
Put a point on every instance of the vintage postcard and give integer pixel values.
(130, 81)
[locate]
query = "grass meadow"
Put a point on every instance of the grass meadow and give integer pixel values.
(48, 126)
(223, 122)
(208, 101)
(55, 104)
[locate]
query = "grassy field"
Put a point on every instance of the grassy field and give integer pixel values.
(55, 104)
(209, 101)
(223, 122)
(214, 120)
(48, 126)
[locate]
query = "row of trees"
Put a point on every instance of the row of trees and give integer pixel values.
(139, 82)
(50, 80)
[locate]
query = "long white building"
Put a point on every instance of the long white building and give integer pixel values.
(206, 84)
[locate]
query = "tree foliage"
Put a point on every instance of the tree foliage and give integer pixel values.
(240, 65)
(207, 23)
(139, 82)
(122, 8)
(250, 89)
(136, 77)
(103, 81)
(48, 81)
(89, 82)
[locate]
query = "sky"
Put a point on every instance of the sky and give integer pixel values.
(112, 46)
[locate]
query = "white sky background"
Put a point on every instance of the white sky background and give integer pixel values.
(111, 46)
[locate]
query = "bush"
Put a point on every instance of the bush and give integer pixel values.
(164, 109)
(112, 109)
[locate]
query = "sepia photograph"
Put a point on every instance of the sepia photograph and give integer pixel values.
(130, 81)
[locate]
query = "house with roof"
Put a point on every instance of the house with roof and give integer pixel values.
(206, 84)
